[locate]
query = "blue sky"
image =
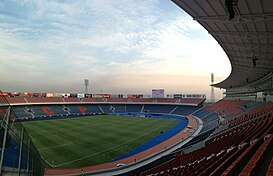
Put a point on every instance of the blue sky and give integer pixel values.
(121, 46)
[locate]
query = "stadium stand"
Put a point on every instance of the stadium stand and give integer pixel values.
(38, 111)
(228, 152)
(143, 100)
(196, 101)
(244, 138)
(48, 110)
(158, 108)
(227, 108)
(89, 100)
(93, 109)
(44, 100)
(133, 108)
(80, 109)
(58, 110)
(236, 135)
(167, 100)
(18, 154)
(108, 108)
(74, 109)
(270, 169)
(252, 164)
(14, 100)
(22, 112)
(234, 143)
(248, 105)
(119, 108)
(70, 99)
(101, 99)
(184, 110)
(117, 100)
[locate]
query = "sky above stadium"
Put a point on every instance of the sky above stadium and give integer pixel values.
(121, 46)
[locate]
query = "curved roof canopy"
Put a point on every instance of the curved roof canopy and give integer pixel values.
(247, 38)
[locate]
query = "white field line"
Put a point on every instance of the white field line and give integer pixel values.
(109, 149)
(57, 135)
(55, 146)
(50, 164)
(33, 139)
(109, 121)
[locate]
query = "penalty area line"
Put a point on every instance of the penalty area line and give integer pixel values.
(53, 166)
(56, 135)
(55, 146)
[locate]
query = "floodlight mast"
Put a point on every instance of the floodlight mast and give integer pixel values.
(212, 94)
(86, 84)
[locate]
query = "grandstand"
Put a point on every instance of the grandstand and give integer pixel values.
(230, 137)
(225, 130)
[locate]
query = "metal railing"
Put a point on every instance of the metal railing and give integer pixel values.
(19, 155)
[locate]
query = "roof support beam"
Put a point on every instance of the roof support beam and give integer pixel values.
(239, 19)
(247, 35)
(243, 66)
(249, 53)
(247, 45)
(247, 39)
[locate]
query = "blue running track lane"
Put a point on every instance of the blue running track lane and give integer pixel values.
(161, 137)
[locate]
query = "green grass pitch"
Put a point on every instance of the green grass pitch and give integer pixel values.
(78, 142)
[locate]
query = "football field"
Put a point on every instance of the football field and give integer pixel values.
(77, 142)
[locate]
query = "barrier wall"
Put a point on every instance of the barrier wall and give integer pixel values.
(18, 155)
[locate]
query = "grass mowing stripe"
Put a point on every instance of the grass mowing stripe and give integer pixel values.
(54, 134)
(109, 148)
(93, 134)
(37, 134)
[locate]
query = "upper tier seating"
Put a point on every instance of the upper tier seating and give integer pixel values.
(71, 99)
(167, 100)
(16, 100)
(117, 100)
(44, 99)
(26, 99)
(270, 168)
(192, 100)
(89, 100)
(248, 105)
(143, 100)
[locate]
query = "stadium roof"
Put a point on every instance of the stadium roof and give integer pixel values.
(247, 38)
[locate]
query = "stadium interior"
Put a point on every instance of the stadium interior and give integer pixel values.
(230, 137)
